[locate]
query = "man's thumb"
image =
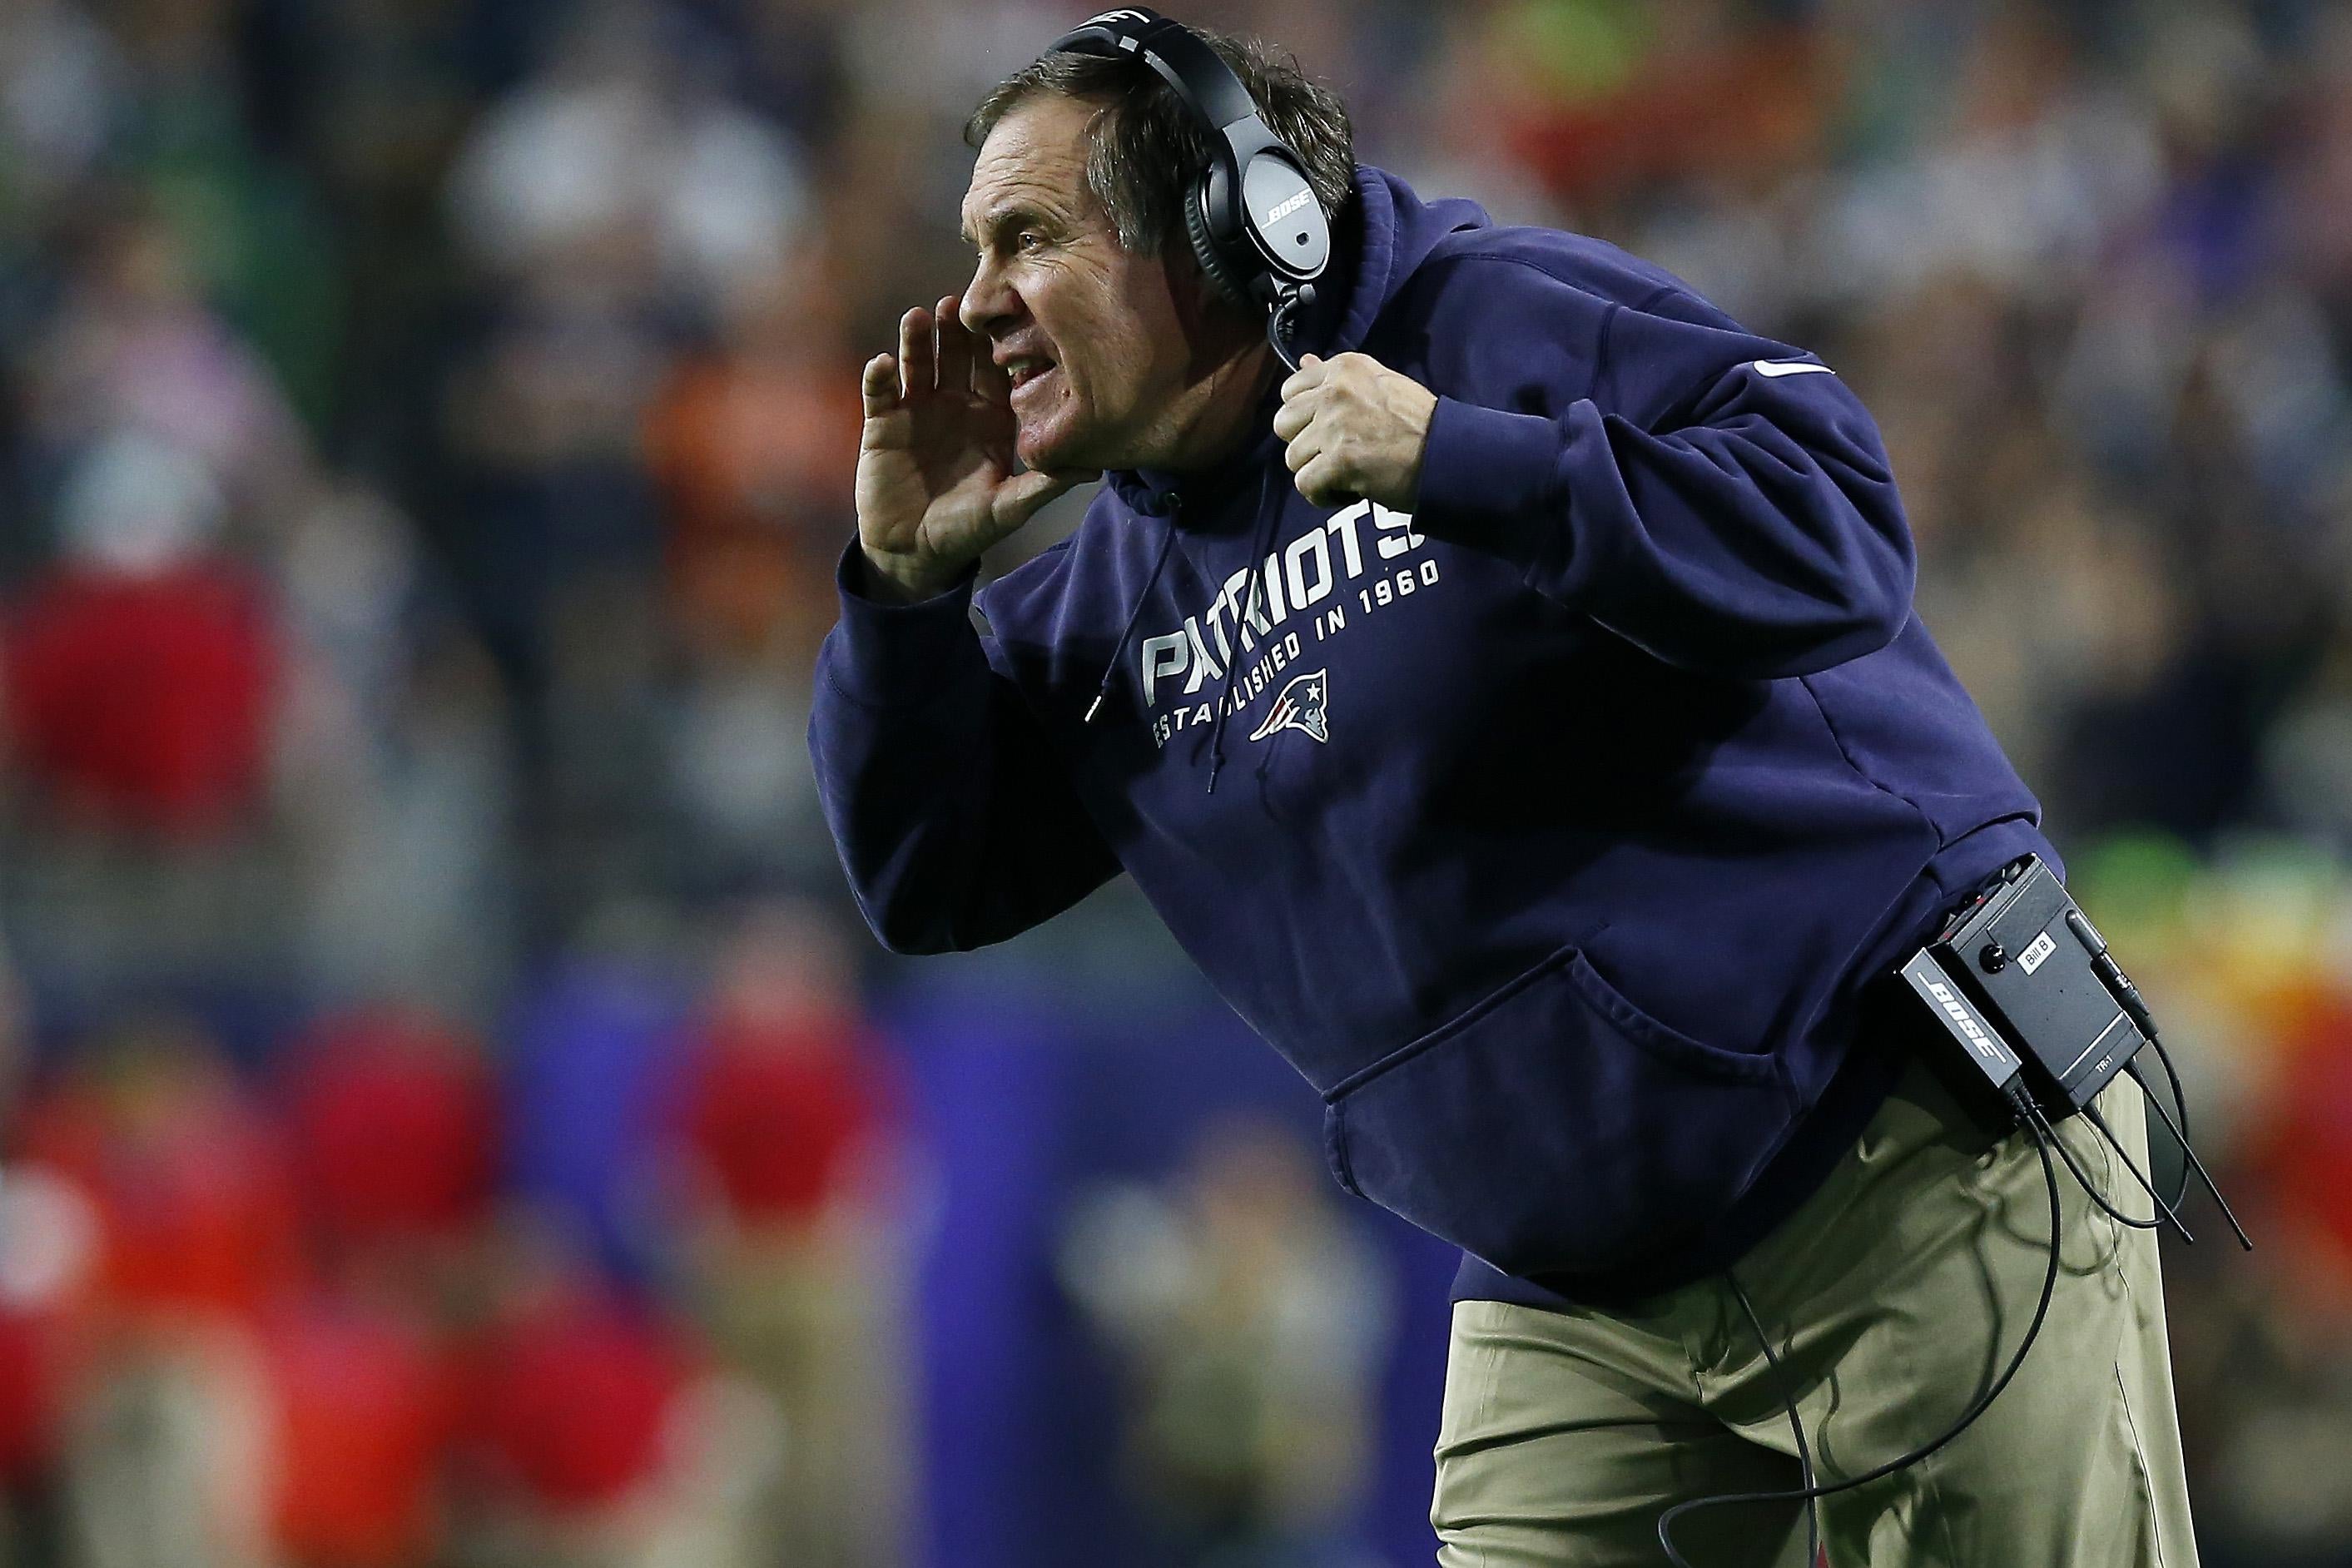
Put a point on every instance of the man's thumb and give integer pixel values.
(1024, 494)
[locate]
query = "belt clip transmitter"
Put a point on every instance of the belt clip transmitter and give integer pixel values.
(2023, 984)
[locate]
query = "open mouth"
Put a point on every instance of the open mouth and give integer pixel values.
(1023, 369)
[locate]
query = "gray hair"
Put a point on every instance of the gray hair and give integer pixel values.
(1145, 150)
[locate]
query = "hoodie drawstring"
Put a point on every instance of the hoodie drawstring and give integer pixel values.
(1263, 542)
(1118, 648)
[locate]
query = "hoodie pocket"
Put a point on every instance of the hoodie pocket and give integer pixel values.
(1555, 1129)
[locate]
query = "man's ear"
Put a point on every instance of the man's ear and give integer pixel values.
(1213, 327)
(1187, 288)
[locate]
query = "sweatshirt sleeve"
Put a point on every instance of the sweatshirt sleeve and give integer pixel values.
(954, 818)
(1718, 499)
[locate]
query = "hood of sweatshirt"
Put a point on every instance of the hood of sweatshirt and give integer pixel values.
(1380, 241)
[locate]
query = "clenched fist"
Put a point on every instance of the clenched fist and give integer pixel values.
(1356, 429)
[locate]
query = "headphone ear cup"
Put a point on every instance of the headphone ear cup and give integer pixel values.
(1222, 275)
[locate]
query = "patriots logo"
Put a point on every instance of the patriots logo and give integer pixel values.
(1300, 707)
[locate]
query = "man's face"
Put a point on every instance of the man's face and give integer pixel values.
(1088, 330)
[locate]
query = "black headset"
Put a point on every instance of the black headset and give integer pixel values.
(1256, 227)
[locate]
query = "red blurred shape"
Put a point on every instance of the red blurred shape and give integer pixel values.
(2304, 1146)
(32, 1388)
(144, 700)
(573, 1395)
(778, 1111)
(362, 1413)
(394, 1126)
(194, 1198)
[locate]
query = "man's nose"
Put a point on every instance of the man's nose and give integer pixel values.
(987, 299)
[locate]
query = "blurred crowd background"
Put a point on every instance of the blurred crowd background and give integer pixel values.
(451, 1113)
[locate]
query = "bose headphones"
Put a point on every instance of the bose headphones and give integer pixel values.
(1256, 227)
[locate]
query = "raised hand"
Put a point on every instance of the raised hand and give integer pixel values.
(937, 480)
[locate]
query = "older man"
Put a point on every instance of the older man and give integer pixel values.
(1519, 713)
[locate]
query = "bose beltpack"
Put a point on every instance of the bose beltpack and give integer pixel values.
(1257, 230)
(2024, 985)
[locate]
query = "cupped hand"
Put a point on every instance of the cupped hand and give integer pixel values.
(937, 480)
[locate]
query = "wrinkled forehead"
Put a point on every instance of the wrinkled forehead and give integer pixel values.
(1034, 160)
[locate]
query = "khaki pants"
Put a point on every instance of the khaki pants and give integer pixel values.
(1894, 1297)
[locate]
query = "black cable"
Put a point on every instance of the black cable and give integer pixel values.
(1277, 326)
(2180, 1103)
(2137, 1174)
(1788, 1400)
(2084, 1180)
(2032, 1329)
(2194, 1163)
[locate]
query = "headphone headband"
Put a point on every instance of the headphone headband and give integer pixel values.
(1182, 60)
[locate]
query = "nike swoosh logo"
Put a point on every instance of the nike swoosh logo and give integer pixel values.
(1782, 367)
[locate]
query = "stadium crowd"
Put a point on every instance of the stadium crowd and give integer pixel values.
(450, 1114)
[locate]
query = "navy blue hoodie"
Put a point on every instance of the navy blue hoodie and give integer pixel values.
(1561, 822)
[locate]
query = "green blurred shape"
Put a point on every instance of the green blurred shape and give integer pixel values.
(2135, 885)
(1577, 50)
(255, 233)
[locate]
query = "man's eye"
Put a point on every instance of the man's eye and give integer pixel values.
(1028, 240)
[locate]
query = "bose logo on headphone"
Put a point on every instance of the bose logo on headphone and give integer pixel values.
(1292, 206)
